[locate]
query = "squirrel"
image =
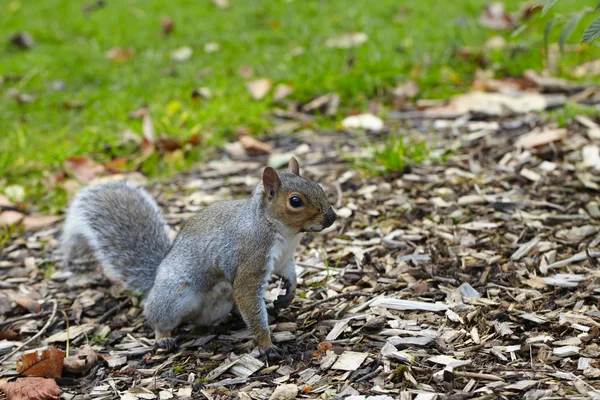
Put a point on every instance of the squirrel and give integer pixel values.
(220, 261)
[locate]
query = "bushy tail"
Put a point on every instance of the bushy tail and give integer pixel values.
(122, 226)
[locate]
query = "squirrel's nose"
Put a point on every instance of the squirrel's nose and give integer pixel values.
(330, 217)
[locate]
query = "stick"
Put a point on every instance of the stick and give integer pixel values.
(113, 311)
(332, 298)
(31, 339)
(23, 317)
(475, 375)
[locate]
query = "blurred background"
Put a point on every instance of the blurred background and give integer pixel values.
(96, 81)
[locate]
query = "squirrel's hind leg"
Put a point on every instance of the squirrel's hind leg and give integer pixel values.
(216, 305)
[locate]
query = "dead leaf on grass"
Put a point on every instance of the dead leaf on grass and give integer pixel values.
(282, 91)
(84, 169)
(182, 54)
(222, 4)
(494, 16)
(31, 389)
(48, 365)
(139, 113)
(10, 218)
(252, 145)
(82, 362)
(590, 68)
(347, 40)
(259, 88)
(116, 164)
(368, 122)
(38, 221)
(119, 54)
(167, 25)
(246, 71)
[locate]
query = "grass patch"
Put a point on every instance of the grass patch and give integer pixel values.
(393, 155)
(82, 99)
(565, 116)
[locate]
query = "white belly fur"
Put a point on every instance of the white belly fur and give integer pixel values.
(282, 252)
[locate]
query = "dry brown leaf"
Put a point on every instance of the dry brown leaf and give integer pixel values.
(537, 138)
(48, 365)
(9, 218)
(27, 303)
(259, 88)
(168, 144)
(119, 55)
(166, 25)
(84, 169)
(116, 164)
(37, 221)
(252, 145)
(82, 362)
(31, 389)
(9, 334)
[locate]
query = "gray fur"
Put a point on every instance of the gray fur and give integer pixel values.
(122, 227)
(221, 255)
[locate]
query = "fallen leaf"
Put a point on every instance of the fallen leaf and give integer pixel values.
(139, 113)
(406, 90)
(32, 389)
(202, 92)
(168, 144)
(252, 145)
(327, 103)
(119, 55)
(23, 40)
(27, 303)
(347, 40)
(590, 68)
(494, 16)
(4, 201)
(48, 365)
(166, 25)
(71, 333)
(148, 128)
(10, 218)
(38, 221)
(182, 54)
(259, 88)
(212, 47)
(282, 91)
(494, 104)
(9, 334)
(84, 169)
(223, 4)
(539, 137)
(82, 362)
(116, 164)
(246, 71)
(363, 121)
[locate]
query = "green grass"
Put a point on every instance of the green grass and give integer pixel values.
(407, 40)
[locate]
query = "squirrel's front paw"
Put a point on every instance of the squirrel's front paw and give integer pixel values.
(167, 343)
(271, 353)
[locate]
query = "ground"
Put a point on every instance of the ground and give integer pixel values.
(72, 93)
(474, 277)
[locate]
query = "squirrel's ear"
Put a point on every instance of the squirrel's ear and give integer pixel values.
(294, 166)
(270, 182)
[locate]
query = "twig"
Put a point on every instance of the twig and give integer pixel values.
(332, 298)
(37, 335)
(24, 317)
(475, 375)
(113, 311)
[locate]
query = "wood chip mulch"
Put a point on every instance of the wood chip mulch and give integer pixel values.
(475, 277)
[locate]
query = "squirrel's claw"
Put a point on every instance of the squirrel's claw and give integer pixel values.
(271, 353)
(167, 343)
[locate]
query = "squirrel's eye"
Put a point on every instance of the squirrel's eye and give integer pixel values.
(296, 202)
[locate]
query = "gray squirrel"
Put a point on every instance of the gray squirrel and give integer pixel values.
(221, 259)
